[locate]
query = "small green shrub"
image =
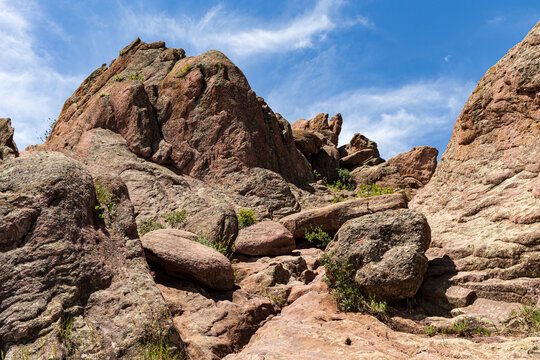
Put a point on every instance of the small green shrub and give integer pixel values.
(184, 71)
(246, 217)
(224, 245)
(459, 328)
(137, 76)
(104, 94)
(316, 175)
(343, 287)
(337, 198)
(344, 176)
(366, 191)
(148, 225)
(155, 339)
(317, 237)
(107, 202)
(344, 182)
(118, 78)
(431, 330)
(47, 133)
(175, 218)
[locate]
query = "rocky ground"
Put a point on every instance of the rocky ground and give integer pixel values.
(171, 214)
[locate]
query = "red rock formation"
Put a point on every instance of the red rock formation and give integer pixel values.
(483, 202)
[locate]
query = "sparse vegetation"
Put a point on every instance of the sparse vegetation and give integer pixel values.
(527, 319)
(431, 330)
(104, 94)
(183, 71)
(47, 133)
(175, 218)
(343, 182)
(106, 209)
(66, 336)
(246, 217)
(316, 175)
(460, 328)
(137, 76)
(148, 225)
(118, 78)
(225, 245)
(155, 340)
(275, 299)
(343, 287)
(366, 191)
(317, 237)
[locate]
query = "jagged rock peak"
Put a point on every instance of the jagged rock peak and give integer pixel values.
(8, 148)
(197, 114)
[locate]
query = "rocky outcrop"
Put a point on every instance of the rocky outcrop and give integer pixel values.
(196, 113)
(317, 139)
(386, 249)
(483, 202)
(330, 218)
(187, 259)
(8, 149)
(215, 224)
(63, 265)
(264, 238)
(409, 171)
(360, 150)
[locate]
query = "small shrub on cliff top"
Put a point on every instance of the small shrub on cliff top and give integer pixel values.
(183, 71)
(175, 218)
(148, 225)
(317, 237)
(47, 133)
(366, 191)
(246, 217)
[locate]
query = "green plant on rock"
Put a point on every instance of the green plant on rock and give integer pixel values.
(340, 280)
(175, 218)
(460, 328)
(431, 330)
(47, 133)
(343, 182)
(527, 319)
(118, 78)
(225, 245)
(317, 237)
(183, 71)
(106, 208)
(155, 339)
(148, 225)
(137, 76)
(337, 198)
(318, 176)
(246, 217)
(66, 336)
(366, 191)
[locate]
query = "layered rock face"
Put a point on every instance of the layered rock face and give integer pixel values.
(198, 114)
(63, 271)
(483, 202)
(8, 148)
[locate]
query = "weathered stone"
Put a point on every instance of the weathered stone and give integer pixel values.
(387, 250)
(197, 114)
(264, 238)
(8, 148)
(326, 162)
(332, 217)
(357, 158)
(217, 223)
(482, 201)
(59, 262)
(308, 142)
(188, 259)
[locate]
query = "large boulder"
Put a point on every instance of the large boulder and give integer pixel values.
(188, 259)
(330, 218)
(386, 249)
(482, 203)
(216, 224)
(63, 265)
(264, 238)
(8, 148)
(410, 171)
(198, 114)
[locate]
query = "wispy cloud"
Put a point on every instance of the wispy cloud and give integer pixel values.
(31, 90)
(397, 118)
(239, 35)
(495, 20)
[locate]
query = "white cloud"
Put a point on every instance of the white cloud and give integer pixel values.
(396, 118)
(31, 90)
(243, 36)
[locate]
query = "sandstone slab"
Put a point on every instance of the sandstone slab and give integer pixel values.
(264, 238)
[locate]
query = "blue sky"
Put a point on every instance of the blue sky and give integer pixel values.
(398, 71)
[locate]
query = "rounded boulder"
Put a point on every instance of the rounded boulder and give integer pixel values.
(265, 238)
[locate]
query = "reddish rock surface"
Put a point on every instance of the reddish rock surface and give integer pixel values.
(60, 261)
(197, 113)
(483, 202)
(410, 171)
(386, 249)
(264, 238)
(187, 259)
(8, 149)
(332, 217)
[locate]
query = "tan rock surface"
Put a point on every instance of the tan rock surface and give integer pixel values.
(483, 202)
(264, 238)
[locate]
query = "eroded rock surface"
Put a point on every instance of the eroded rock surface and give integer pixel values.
(60, 264)
(483, 202)
(387, 251)
(265, 238)
(8, 148)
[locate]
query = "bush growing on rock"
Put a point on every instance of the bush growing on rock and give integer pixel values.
(373, 190)
(246, 217)
(175, 218)
(318, 237)
(107, 202)
(148, 225)
(225, 245)
(340, 279)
